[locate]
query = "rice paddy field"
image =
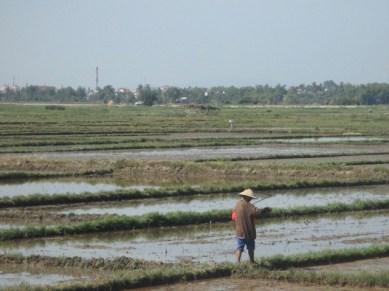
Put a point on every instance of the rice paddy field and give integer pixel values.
(125, 197)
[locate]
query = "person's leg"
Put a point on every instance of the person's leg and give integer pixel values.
(239, 249)
(250, 249)
(238, 255)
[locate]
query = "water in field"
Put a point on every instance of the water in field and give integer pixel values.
(61, 187)
(200, 203)
(7, 226)
(327, 139)
(204, 152)
(8, 279)
(207, 243)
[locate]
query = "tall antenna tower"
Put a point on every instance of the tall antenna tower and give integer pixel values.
(97, 77)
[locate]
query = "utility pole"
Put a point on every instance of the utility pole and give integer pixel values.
(97, 78)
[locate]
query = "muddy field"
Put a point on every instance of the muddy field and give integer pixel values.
(216, 243)
(289, 149)
(263, 151)
(251, 285)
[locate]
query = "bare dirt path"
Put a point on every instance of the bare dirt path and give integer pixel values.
(371, 265)
(230, 284)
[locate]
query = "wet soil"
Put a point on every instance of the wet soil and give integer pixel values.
(232, 284)
(265, 150)
(208, 243)
(371, 265)
(14, 275)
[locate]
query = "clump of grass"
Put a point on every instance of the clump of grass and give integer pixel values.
(157, 276)
(324, 257)
(13, 175)
(360, 279)
(117, 263)
(54, 107)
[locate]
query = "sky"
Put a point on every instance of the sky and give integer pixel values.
(193, 43)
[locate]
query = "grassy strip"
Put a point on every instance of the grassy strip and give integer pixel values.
(277, 262)
(360, 163)
(69, 198)
(324, 257)
(358, 279)
(157, 276)
(117, 263)
(38, 175)
(297, 156)
(150, 220)
(171, 275)
(119, 139)
(129, 146)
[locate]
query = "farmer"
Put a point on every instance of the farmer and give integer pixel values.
(244, 215)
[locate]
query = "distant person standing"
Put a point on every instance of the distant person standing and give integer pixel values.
(244, 215)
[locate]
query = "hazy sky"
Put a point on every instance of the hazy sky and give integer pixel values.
(193, 43)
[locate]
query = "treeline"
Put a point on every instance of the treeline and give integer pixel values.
(326, 93)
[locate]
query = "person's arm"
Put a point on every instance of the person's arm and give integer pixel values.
(260, 211)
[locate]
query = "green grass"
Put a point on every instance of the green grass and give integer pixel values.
(324, 257)
(357, 279)
(117, 263)
(300, 156)
(98, 127)
(177, 119)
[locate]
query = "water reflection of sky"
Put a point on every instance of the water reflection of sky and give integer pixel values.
(216, 243)
(198, 203)
(203, 152)
(8, 279)
(327, 139)
(53, 188)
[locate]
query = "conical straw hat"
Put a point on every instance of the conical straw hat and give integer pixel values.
(248, 193)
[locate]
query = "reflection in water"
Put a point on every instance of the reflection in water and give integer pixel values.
(199, 203)
(8, 279)
(204, 152)
(216, 242)
(53, 188)
(327, 139)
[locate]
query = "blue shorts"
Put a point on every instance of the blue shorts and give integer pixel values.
(241, 242)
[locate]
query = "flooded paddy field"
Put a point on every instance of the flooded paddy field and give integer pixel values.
(97, 138)
(63, 186)
(199, 203)
(193, 153)
(207, 243)
(372, 158)
(84, 144)
(61, 214)
(16, 275)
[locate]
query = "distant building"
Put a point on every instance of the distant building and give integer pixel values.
(164, 88)
(182, 100)
(123, 90)
(8, 88)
